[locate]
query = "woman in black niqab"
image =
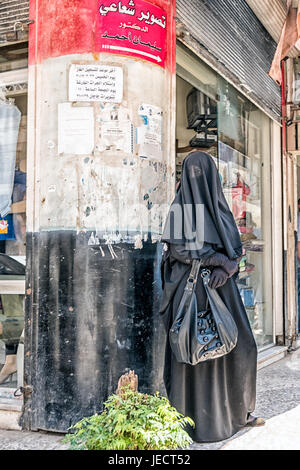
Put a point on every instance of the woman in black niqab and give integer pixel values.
(219, 394)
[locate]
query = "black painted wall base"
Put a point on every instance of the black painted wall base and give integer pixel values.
(91, 315)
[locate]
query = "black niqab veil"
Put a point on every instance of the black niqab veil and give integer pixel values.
(217, 394)
(200, 185)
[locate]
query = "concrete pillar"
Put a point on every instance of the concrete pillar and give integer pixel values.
(100, 178)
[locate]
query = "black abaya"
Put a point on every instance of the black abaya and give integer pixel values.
(217, 394)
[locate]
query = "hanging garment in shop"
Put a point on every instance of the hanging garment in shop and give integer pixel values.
(12, 317)
(10, 117)
(19, 190)
(240, 191)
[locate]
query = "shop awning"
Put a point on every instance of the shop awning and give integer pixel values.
(232, 40)
(281, 18)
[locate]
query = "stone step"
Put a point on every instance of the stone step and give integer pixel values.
(9, 419)
(10, 408)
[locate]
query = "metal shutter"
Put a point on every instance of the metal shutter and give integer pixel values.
(13, 14)
(239, 44)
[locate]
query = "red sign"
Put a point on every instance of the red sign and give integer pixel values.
(132, 27)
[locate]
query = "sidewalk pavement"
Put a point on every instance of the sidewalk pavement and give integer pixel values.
(278, 401)
(279, 433)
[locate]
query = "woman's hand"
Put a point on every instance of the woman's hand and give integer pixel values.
(218, 278)
(230, 266)
(220, 260)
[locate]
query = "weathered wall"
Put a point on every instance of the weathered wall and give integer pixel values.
(109, 190)
(94, 219)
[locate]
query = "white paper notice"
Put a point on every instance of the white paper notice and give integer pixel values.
(95, 83)
(75, 129)
(149, 135)
(118, 134)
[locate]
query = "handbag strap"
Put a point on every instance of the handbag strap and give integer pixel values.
(193, 276)
(205, 274)
(189, 288)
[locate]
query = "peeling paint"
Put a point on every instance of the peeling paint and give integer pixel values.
(111, 190)
(152, 189)
(138, 245)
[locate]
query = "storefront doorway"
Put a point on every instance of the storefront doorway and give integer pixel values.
(13, 146)
(214, 115)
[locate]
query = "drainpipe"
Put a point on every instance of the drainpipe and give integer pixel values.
(290, 301)
(283, 91)
(284, 201)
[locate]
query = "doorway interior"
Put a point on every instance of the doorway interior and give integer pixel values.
(13, 149)
(215, 117)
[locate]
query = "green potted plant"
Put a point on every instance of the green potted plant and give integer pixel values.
(132, 421)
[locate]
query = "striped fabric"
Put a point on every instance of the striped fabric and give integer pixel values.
(10, 117)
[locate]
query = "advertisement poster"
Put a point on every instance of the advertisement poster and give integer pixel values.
(132, 27)
(7, 231)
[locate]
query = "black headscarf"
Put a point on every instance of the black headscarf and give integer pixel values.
(200, 185)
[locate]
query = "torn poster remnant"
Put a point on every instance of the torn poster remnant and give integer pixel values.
(149, 135)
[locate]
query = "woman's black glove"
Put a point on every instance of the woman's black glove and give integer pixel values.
(218, 278)
(230, 266)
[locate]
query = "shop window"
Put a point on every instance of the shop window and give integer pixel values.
(239, 141)
(13, 137)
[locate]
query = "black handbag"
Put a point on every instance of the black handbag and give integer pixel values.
(199, 336)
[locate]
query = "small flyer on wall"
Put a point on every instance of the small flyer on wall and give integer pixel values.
(149, 134)
(117, 134)
(114, 128)
(91, 82)
(75, 129)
